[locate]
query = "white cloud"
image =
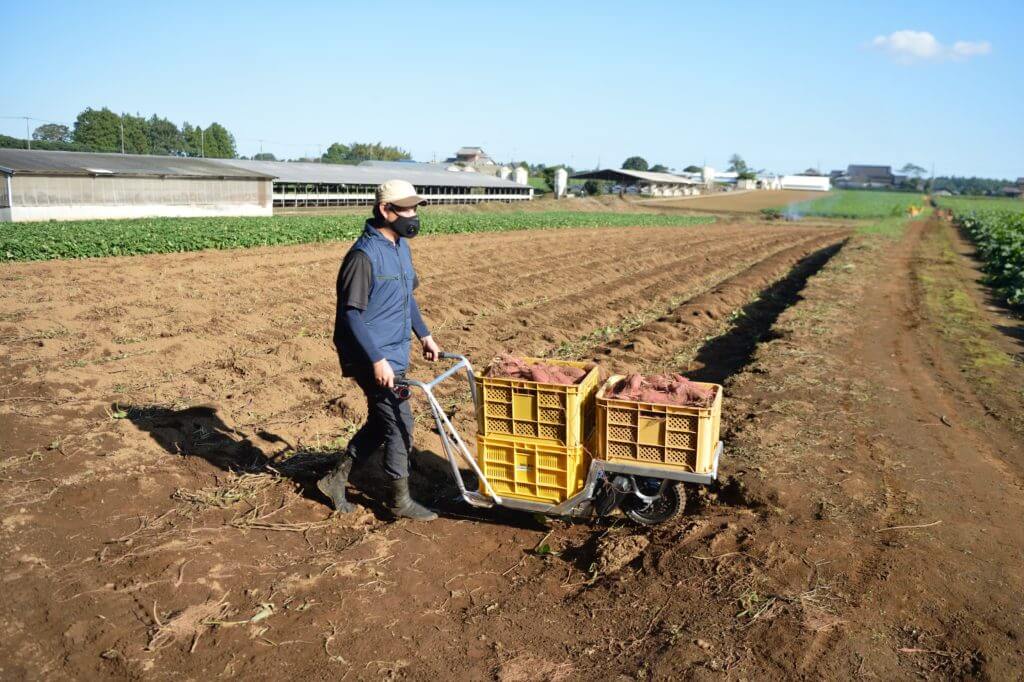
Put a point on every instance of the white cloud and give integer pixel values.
(963, 49)
(909, 46)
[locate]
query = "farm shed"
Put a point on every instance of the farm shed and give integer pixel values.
(304, 184)
(49, 185)
(653, 184)
(817, 183)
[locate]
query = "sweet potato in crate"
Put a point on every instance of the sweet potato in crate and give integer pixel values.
(555, 413)
(658, 435)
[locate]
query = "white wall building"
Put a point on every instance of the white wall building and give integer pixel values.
(816, 183)
(49, 185)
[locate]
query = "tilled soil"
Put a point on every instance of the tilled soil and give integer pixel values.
(145, 400)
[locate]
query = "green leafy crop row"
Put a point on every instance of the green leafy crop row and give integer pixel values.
(999, 236)
(95, 238)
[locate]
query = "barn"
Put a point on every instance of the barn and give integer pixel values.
(49, 185)
(310, 185)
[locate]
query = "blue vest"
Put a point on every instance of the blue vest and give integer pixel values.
(387, 313)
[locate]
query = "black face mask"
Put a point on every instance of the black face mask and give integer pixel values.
(406, 227)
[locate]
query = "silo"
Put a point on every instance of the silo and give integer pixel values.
(504, 172)
(561, 182)
(521, 176)
(707, 174)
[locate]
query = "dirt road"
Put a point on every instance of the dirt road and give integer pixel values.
(868, 521)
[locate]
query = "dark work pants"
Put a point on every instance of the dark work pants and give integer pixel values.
(388, 423)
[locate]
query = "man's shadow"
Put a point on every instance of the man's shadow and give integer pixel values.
(200, 432)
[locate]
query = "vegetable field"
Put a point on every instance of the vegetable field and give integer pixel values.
(97, 238)
(968, 204)
(858, 204)
(999, 236)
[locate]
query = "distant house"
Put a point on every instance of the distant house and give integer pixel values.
(471, 156)
(475, 159)
(1020, 185)
(1013, 191)
(866, 177)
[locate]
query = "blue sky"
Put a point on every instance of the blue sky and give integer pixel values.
(786, 85)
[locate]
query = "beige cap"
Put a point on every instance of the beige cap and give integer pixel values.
(399, 193)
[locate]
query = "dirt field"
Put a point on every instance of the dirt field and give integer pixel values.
(867, 522)
(738, 202)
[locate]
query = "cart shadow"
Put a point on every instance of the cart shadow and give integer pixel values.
(434, 476)
(201, 432)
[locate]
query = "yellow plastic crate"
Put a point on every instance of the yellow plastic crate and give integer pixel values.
(531, 469)
(650, 434)
(552, 412)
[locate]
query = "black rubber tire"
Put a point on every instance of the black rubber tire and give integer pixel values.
(667, 507)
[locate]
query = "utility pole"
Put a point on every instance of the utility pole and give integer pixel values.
(202, 142)
(28, 138)
(122, 133)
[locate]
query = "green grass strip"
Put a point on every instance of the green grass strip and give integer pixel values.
(99, 238)
(858, 204)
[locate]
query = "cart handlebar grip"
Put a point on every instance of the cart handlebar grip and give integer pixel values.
(450, 356)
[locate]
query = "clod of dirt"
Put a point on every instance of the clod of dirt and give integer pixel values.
(666, 389)
(529, 668)
(514, 367)
(738, 493)
(614, 552)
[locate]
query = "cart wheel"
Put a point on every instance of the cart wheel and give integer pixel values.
(666, 507)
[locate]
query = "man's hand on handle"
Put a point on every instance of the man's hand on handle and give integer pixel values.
(431, 351)
(383, 374)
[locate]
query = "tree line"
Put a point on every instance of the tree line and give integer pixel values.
(102, 130)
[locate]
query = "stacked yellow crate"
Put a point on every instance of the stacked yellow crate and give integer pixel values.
(531, 435)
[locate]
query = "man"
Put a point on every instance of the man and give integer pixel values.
(376, 310)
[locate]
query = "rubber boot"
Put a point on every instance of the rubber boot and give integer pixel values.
(333, 485)
(404, 507)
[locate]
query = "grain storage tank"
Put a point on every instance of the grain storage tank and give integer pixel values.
(707, 174)
(504, 172)
(521, 176)
(561, 182)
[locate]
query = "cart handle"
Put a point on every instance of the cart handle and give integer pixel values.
(463, 363)
(451, 441)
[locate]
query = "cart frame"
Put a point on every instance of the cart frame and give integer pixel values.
(452, 443)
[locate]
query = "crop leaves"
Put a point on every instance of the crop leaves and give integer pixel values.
(98, 238)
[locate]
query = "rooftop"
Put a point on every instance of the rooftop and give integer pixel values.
(420, 174)
(38, 162)
(642, 176)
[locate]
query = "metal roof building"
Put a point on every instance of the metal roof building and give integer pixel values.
(654, 184)
(50, 185)
(47, 185)
(299, 184)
